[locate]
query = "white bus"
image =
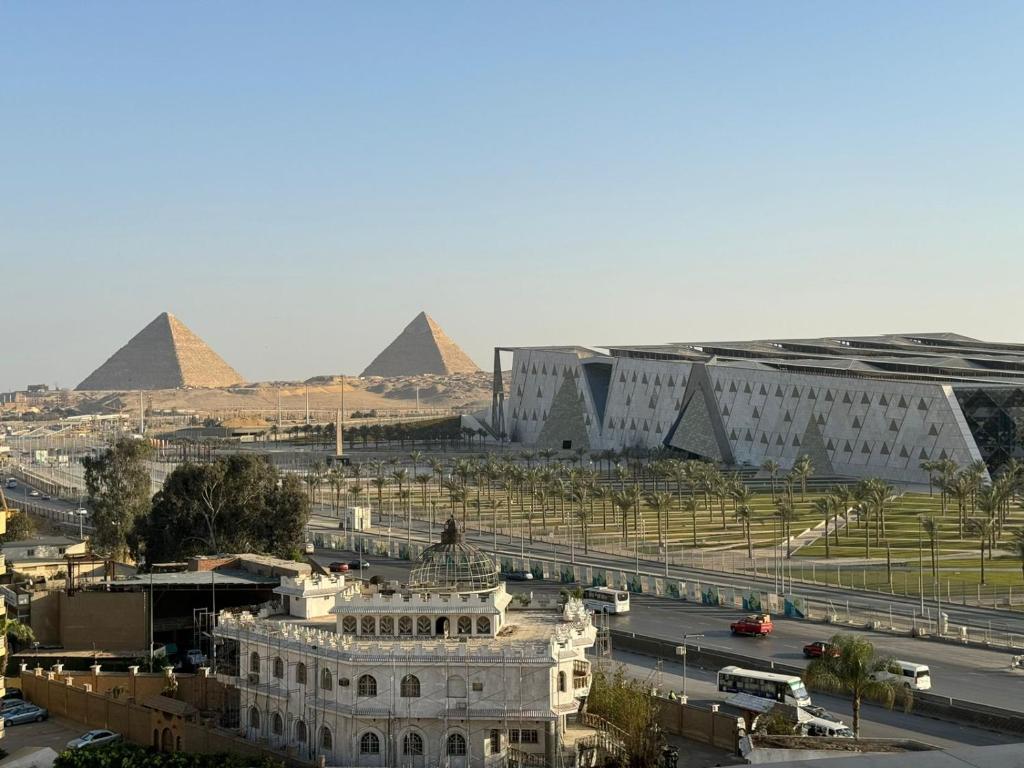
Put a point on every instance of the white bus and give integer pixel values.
(606, 600)
(915, 677)
(759, 691)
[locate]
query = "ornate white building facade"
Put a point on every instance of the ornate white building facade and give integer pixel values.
(444, 671)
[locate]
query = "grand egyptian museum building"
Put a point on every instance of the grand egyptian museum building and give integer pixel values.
(857, 406)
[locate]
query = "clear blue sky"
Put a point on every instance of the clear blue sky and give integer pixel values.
(297, 180)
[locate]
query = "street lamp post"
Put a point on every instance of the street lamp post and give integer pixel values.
(81, 512)
(681, 651)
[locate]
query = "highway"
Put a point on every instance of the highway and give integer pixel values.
(876, 722)
(1001, 621)
(973, 674)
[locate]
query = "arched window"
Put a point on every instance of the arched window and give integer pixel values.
(300, 673)
(456, 745)
(326, 681)
(254, 718)
(410, 687)
(405, 625)
(369, 744)
(423, 625)
(300, 731)
(387, 625)
(326, 739)
(561, 682)
(483, 626)
(278, 668)
(368, 625)
(456, 687)
(277, 724)
(348, 625)
(254, 662)
(412, 744)
(367, 686)
(465, 625)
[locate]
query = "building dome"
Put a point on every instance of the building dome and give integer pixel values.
(454, 566)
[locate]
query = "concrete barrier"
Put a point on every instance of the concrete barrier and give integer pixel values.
(927, 704)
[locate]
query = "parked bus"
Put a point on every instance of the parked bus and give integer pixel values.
(759, 691)
(606, 600)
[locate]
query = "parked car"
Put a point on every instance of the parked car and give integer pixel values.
(338, 567)
(356, 565)
(308, 548)
(45, 497)
(195, 657)
(519, 576)
(755, 625)
(820, 648)
(27, 713)
(13, 693)
(94, 739)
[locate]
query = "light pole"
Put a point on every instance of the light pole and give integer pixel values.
(681, 651)
(81, 512)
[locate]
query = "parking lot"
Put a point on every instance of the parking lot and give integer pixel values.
(53, 733)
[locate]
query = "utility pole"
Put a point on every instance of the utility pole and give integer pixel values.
(307, 404)
(142, 414)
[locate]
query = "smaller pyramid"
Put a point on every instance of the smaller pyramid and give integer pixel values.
(421, 348)
(163, 355)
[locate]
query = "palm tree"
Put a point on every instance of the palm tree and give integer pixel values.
(772, 468)
(854, 670)
(745, 514)
(21, 634)
(690, 505)
(423, 480)
(1018, 547)
(930, 526)
(379, 482)
(825, 507)
(436, 468)
(980, 528)
(929, 467)
(661, 503)
(802, 470)
(415, 457)
(785, 514)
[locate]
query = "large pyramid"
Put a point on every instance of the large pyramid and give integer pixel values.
(421, 348)
(163, 355)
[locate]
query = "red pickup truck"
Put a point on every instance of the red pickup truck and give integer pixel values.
(755, 625)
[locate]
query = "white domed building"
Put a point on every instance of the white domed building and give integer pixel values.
(443, 671)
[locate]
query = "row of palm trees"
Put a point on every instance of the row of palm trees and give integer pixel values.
(574, 494)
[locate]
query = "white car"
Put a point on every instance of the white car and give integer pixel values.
(308, 548)
(196, 658)
(94, 739)
(34, 494)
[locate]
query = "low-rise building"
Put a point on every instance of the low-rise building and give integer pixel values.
(444, 670)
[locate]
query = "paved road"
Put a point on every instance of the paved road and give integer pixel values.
(876, 722)
(974, 674)
(1001, 621)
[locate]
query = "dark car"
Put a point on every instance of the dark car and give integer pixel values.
(338, 567)
(356, 565)
(519, 576)
(13, 693)
(820, 648)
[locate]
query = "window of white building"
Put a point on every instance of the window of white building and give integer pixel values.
(369, 744)
(367, 685)
(412, 744)
(456, 745)
(410, 687)
(368, 625)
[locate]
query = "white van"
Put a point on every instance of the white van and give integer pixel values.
(817, 726)
(913, 677)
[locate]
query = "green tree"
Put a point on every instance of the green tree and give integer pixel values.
(628, 705)
(854, 671)
(238, 503)
(772, 468)
(118, 488)
(20, 526)
(980, 528)
(785, 515)
(19, 634)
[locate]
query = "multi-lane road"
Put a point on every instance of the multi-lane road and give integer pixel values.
(973, 674)
(1002, 622)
